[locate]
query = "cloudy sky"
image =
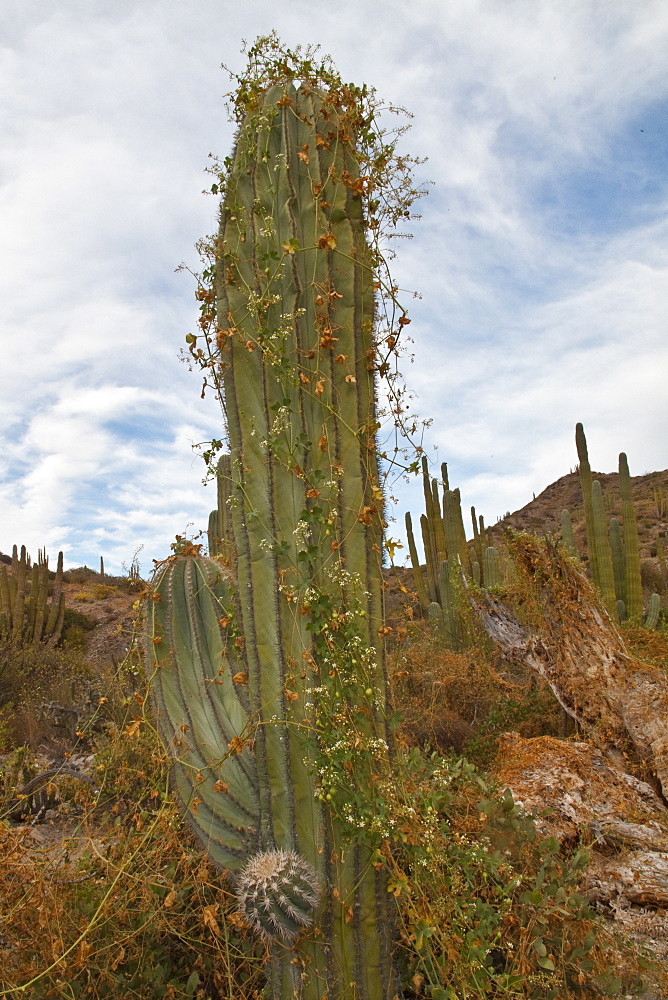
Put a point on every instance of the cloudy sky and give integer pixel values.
(541, 256)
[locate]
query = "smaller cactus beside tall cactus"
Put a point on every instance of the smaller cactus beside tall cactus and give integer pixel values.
(614, 555)
(219, 531)
(449, 557)
(632, 581)
(653, 612)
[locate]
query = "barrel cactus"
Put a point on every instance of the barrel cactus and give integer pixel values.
(271, 688)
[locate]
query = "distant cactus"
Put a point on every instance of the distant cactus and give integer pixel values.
(586, 484)
(567, 534)
(420, 585)
(443, 537)
(653, 612)
(604, 569)
(633, 584)
(452, 612)
(27, 617)
(614, 557)
(492, 569)
(618, 562)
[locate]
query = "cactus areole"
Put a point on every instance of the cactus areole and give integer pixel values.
(278, 676)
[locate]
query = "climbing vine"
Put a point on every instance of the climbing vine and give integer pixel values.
(388, 192)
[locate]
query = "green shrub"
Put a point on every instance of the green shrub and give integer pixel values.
(487, 907)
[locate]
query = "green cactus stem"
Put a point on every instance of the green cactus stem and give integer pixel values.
(633, 583)
(434, 611)
(444, 476)
(27, 616)
(618, 561)
(219, 531)
(586, 484)
(199, 686)
(653, 612)
(293, 357)
(568, 535)
(418, 578)
(443, 536)
(295, 299)
(452, 617)
(431, 557)
(492, 567)
(606, 576)
(478, 543)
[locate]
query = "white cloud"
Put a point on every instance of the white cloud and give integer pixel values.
(532, 317)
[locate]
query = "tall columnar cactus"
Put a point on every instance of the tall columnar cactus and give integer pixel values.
(618, 564)
(443, 538)
(448, 556)
(612, 553)
(601, 547)
(274, 698)
(451, 610)
(478, 540)
(27, 616)
(633, 583)
(567, 534)
(585, 482)
(492, 569)
(420, 585)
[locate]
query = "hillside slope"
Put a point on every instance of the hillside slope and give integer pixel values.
(541, 516)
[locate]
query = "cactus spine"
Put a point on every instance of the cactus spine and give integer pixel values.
(278, 891)
(295, 313)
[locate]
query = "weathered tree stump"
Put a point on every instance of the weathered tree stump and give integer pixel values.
(568, 639)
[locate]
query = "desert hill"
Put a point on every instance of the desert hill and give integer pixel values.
(541, 516)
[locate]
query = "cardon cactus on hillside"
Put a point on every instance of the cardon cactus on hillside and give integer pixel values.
(27, 617)
(633, 583)
(586, 484)
(614, 556)
(273, 696)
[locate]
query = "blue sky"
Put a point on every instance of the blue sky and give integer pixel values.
(541, 256)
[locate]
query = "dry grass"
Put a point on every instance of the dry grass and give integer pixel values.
(113, 898)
